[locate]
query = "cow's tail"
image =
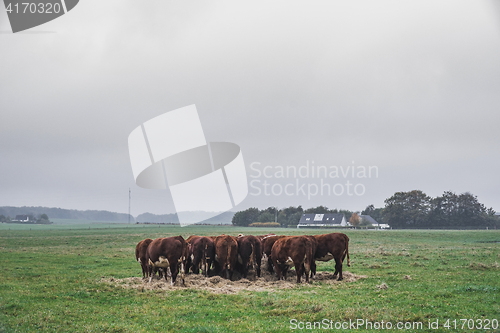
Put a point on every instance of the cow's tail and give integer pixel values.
(252, 256)
(308, 257)
(205, 260)
(228, 259)
(307, 265)
(347, 251)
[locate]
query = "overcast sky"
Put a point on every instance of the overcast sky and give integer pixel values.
(411, 87)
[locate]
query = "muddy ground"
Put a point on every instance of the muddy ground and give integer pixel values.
(218, 285)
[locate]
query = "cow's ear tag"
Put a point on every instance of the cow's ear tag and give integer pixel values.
(26, 14)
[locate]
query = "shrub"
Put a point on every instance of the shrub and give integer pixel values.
(265, 224)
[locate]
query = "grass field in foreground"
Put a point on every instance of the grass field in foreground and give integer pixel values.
(50, 280)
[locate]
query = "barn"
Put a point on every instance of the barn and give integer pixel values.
(322, 220)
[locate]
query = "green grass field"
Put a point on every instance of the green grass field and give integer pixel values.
(51, 280)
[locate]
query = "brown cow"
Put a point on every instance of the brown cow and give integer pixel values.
(201, 251)
(190, 240)
(267, 245)
(226, 255)
(332, 246)
(249, 253)
(296, 251)
(170, 253)
(140, 255)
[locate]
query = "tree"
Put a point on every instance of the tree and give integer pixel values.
(282, 219)
(347, 213)
(317, 210)
(369, 210)
(415, 209)
(245, 217)
(294, 219)
(265, 216)
(376, 213)
(289, 216)
(452, 210)
(355, 220)
(407, 209)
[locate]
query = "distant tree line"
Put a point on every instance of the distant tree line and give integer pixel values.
(40, 218)
(415, 209)
(285, 217)
(70, 214)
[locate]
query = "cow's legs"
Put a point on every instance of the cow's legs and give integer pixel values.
(298, 270)
(189, 262)
(277, 268)
(270, 264)
(216, 269)
(307, 268)
(207, 266)
(313, 269)
(150, 273)
(195, 266)
(245, 268)
(258, 262)
(204, 265)
(182, 273)
(174, 269)
(336, 273)
(338, 268)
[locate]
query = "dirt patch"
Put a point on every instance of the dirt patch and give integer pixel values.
(218, 285)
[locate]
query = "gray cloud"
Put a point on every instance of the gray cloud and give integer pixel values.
(409, 87)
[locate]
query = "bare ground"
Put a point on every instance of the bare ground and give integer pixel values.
(216, 284)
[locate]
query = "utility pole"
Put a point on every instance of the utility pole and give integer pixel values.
(129, 205)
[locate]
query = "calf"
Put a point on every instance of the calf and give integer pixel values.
(170, 253)
(226, 255)
(201, 251)
(249, 253)
(332, 246)
(140, 255)
(296, 251)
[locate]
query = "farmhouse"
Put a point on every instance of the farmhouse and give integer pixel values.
(322, 220)
(373, 222)
(22, 218)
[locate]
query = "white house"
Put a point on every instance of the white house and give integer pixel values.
(322, 220)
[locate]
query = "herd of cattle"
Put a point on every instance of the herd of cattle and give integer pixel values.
(221, 255)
